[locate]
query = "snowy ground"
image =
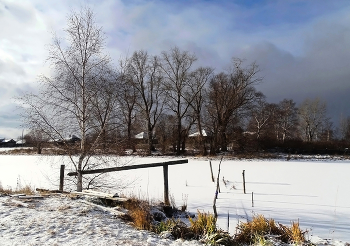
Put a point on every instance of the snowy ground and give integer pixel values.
(313, 192)
(63, 221)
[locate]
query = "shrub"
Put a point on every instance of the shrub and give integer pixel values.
(252, 231)
(141, 218)
(205, 224)
(177, 228)
(139, 213)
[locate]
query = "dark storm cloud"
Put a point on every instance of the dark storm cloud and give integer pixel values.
(321, 71)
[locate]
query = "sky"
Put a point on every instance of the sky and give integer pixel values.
(302, 47)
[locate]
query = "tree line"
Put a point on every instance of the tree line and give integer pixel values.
(168, 96)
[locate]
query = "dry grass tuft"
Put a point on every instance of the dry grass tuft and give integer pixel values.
(204, 227)
(139, 213)
(141, 218)
(204, 224)
(253, 231)
(5, 191)
(27, 190)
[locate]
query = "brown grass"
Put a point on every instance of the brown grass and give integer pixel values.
(260, 226)
(204, 227)
(5, 191)
(19, 151)
(27, 190)
(204, 224)
(139, 213)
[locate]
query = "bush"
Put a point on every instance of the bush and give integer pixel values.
(139, 213)
(252, 231)
(204, 227)
(205, 224)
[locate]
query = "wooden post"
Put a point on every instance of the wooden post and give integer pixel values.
(228, 221)
(243, 181)
(166, 185)
(252, 199)
(61, 177)
(217, 191)
(211, 170)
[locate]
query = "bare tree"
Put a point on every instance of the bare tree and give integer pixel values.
(176, 65)
(229, 93)
(261, 113)
(165, 132)
(287, 119)
(312, 114)
(345, 128)
(36, 139)
(69, 101)
(146, 78)
(127, 99)
(199, 79)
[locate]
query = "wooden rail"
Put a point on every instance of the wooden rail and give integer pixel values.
(116, 169)
(164, 164)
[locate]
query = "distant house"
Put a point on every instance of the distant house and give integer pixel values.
(144, 135)
(142, 138)
(141, 135)
(70, 139)
(6, 143)
(21, 142)
(196, 134)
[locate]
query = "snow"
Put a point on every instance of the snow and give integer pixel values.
(63, 221)
(313, 192)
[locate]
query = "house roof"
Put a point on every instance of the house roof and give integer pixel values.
(141, 135)
(22, 141)
(8, 140)
(196, 134)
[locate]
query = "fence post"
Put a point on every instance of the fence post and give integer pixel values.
(61, 177)
(228, 221)
(166, 185)
(211, 170)
(252, 199)
(243, 181)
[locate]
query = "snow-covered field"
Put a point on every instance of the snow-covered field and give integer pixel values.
(313, 192)
(63, 221)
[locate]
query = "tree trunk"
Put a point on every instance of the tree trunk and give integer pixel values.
(178, 140)
(39, 148)
(223, 141)
(150, 138)
(79, 176)
(201, 138)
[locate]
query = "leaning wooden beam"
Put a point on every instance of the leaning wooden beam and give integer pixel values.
(100, 195)
(114, 169)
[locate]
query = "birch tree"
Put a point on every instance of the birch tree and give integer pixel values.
(70, 100)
